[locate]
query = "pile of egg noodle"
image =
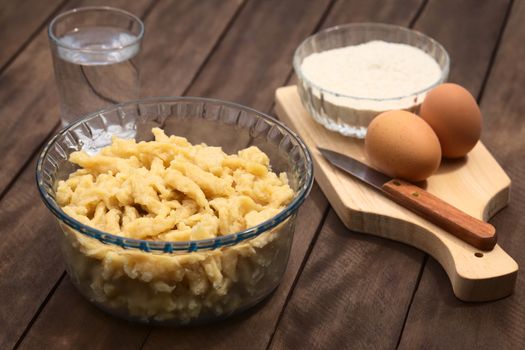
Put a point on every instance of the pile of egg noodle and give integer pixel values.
(171, 190)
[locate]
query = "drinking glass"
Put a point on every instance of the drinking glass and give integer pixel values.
(95, 57)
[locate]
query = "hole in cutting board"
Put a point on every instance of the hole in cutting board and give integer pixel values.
(478, 255)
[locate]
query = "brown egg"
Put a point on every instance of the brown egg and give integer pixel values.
(401, 144)
(455, 117)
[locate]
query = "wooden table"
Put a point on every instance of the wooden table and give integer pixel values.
(341, 289)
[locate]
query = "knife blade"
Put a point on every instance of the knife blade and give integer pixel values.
(475, 232)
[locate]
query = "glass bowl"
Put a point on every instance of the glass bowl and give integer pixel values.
(177, 283)
(350, 115)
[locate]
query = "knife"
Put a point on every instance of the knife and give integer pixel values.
(475, 232)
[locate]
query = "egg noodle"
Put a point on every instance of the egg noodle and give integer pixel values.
(168, 189)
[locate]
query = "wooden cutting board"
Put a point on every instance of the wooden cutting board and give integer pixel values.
(477, 185)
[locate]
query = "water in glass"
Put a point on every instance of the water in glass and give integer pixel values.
(95, 67)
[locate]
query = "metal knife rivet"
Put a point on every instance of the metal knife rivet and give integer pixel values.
(415, 194)
(397, 183)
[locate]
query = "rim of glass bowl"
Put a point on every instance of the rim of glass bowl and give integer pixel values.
(176, 246)
(58, 42)
(365, 25)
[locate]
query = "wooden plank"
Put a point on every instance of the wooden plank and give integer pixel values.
(256, 56)
(392, 12)
(353, 295)
(31, 264)
(468, 30)
(257, 20)
(315, 293)
(87, 325)
(29, 98)
(19, 20)
(253, 330)
(72, 323)
(30, 255)
(356, 318)
(435, 314)
(31, 261)
(178, 37)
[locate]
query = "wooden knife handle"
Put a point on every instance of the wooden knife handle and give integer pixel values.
(467, 228)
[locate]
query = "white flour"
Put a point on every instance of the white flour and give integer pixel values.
(376, 69)
(379, 76)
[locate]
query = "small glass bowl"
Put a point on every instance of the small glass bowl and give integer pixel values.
(174, 283)
(336, 111)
